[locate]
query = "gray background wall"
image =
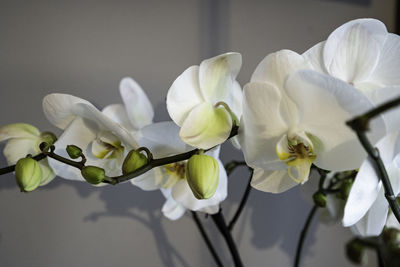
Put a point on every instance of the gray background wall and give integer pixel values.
(84, 48)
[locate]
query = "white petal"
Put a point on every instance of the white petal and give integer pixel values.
(373, 222)
(325, 104)
(275, 67)
(162, 139)
(262, 124)
(61, 109)
(182, 194)
(392, 222)
(388, 68)
(18, 130)
(206, 126)
(217, 75)
(272, 181)
(382, 95)
(137, 104)
(314, 56)
(151, 180)
(351, 52)
(79, 134)
(17, 148)
(184, 94)
(362, 194)
(172, 209)
(47, 173)
(117, 113)
(235, 99)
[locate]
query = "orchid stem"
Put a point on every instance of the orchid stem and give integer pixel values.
(242, 203)
(11, 168)
(303, 235)
(219, 221)
(360, 125)
(206, 239)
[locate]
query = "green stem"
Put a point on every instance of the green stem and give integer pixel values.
(303, 235)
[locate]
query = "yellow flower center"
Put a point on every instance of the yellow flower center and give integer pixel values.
(297, 151)
(175, 172)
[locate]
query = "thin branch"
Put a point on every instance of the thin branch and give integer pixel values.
(358, 125)
(219, 221)
(303, 235)
(206, 239)
(242, 203)
(11, 168)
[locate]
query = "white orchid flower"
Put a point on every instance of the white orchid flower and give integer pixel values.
(291, 120)
(366, 207)
(101, 135)
(202, 99)
(23, 139)
(163, 140)
(362, 53)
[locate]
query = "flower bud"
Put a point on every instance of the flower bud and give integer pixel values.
(345, 188)
(73, 151)
(391, 236)
(202, 175)
(48, 137)
(28, 174)
(320, 199)
(93, 174)
(133, 161)
(355, 251)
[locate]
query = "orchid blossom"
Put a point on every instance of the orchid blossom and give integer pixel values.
(205, 101)
(105, 137)
(163, 140)
(23, 139)
(366, 207)
(292, 119)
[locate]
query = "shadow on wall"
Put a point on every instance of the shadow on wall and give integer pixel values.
(365, 3)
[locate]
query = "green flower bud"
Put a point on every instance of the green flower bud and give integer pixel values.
(133, 161)
(356, 253)
(202, 175)
(391, 236)
(28, 174)
(320, 199)
(345, 188)
(93, 174)
(73, 151)
(48, 137)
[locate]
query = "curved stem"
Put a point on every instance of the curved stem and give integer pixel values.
(206, 239)
(303, 235)
(242, 203)
(219, 221)
(360, 125)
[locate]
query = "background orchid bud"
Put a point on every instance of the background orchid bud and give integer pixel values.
(345, 188)
(356, 253)
(73, 151)
(28, 174)
(202, 175)
(133, 161)
(320, 199)
(93, 174)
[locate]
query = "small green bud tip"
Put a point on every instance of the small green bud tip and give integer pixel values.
(320, 199)
(28, 174)
(133, 161)
(391, 236)
(356, 253)
(73, 151)
(202, 175)
(48, 137)
(345, 188)
(93, 174)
